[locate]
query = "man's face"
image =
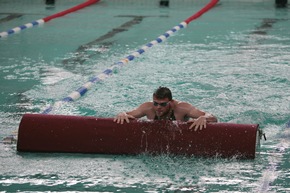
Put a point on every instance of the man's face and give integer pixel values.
(161, 106)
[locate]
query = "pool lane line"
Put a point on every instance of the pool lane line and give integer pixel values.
(108, 72)
(266, 25)
(80, 55)
(11, 16)
(275, 158)
(47, 19)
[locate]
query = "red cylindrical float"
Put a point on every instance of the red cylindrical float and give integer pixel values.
(79, 134)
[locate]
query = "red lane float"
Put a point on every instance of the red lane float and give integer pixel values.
(78, 134)
(210, 5)
(73, 9)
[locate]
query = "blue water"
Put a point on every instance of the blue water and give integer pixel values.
(232, 62)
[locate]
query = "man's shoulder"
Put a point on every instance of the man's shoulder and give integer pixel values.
(146, 105)
(147, 109)
(181, 103)
(182, 106)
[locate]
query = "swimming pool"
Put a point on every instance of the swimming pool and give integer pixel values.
(232, 62)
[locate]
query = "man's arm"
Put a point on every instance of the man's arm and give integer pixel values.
(200, 118)
(136, 113)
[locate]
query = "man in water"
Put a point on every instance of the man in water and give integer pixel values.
(163, 107)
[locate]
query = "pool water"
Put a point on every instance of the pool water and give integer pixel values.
(232, 62)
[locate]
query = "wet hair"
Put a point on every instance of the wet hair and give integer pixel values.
(162, 93)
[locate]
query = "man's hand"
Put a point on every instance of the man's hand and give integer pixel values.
(198, 123)
(123, 116)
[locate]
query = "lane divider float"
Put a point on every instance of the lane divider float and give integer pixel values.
(46, 19)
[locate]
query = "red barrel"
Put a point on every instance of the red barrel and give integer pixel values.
(80, 134)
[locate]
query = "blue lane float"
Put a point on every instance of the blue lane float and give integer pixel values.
(22, 27)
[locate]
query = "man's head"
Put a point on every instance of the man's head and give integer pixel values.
(161, 101)
(162, 93)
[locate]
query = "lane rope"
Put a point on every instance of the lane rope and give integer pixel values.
(108, 72)
(46, 19)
